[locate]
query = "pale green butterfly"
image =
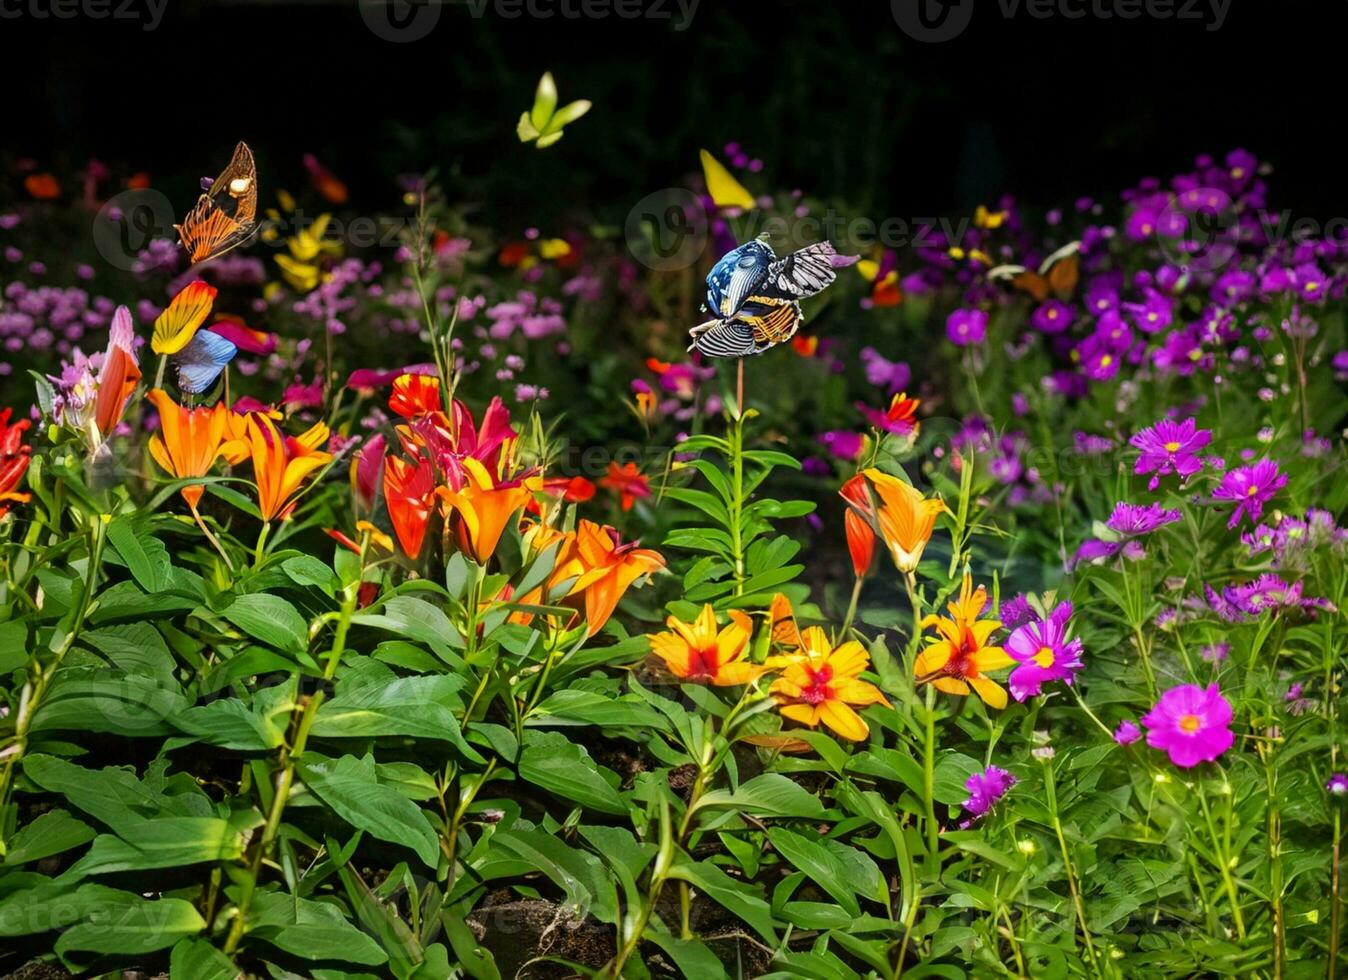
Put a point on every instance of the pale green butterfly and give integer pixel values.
(544, 121)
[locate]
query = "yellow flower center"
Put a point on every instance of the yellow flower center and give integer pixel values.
(1189, 724)
(1044, 657)
(1172, 447)
(1106, 361)
(1252, 491)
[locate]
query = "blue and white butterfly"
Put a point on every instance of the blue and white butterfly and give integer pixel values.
(202, 360)
(754, 297)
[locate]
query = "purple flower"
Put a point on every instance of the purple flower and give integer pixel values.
(1215, 653)
(1190, 724)
(1044, 653)
(1170, 447)
(1015, 611)
(1127, 733)
(1269, 592)
(1153, 315)
(1053, 316)
(842, 443)
(985, 789)
(966, 328)
(1094, 549)
(1136, 519)
(1250, 487)
(892, 376)
(1338, 784)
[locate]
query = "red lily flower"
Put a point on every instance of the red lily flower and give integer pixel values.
(14, 459)
(409, 493)
(628, 482)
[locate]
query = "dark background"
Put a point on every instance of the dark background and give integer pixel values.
(833, 96)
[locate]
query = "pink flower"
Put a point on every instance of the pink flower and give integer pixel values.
(1190, 724)
(1127, 733)
(1170, 447)
(1044, 653)
(1250, 487)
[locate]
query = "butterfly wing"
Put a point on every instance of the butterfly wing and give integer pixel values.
(226, 215)
(733, 280)
(724, 338)
(202, 360)
(773, 321)
(1065, 271)
(802, 273)
(725, 190)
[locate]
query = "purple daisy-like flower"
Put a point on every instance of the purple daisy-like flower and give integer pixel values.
(1052, 316)
(1015, 611)
(1191, 724)
(1338, 784)
(1215, 653)
(985, 789)
(966, 328)
(1127, 733)
(842, 443)
(1044, 653)
(1170, 447)
(1132, 520)
(1094, 549)
(1250, 487)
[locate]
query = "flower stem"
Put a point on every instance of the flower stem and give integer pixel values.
(1051, 789)
(215, 542)
(259, 552)
(929, 784)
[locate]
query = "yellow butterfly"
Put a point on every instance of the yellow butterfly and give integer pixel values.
(544, 121)
(724, 189)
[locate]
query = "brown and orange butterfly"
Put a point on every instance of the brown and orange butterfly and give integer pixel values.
(226, 215)
(1058, 275)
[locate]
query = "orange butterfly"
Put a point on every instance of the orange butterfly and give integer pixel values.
(1058, 274)
(226, 215)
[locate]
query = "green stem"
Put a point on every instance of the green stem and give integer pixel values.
(929, 784)
(1334, 908)
(1051, 789)
(259, 552)
(1220, 852)
(737, 505)
(31, 696)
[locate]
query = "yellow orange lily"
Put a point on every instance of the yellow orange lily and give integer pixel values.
(186, 312)
(485, 508)
(697, 652)
(608, 566)
(906, 518)
(823, 685)
(961, 658)
(282, 463)
(189, 440)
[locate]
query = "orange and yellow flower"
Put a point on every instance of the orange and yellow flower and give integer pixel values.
(628, 482)
(409, 494)
(189, 440)
(605, 567)
(822, 684)
(697, 652)
(282, 463)
(906, 519)
(485, 508)
(961, 658)
(415, 395)
(186, 312)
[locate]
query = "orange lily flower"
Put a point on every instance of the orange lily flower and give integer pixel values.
(961, 658)
(119, 375)
(415, 395)
(823, 685)
(628, 482)
(14, 460)
(608, 566)
(858, 523)
(485, 508)
(409, 491)
(697, 652)
(906, 518)
(282, 463)
(189, 440)
(186, 312)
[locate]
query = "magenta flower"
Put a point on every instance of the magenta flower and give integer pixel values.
(1053, 316)
(1338, 784)
(1044, 653)
(1170, 447)
(842, 443)
(1250, 487)
(1131, 520)
(967, 327)
(985, 789)
(1190, 724)
(1127, 733)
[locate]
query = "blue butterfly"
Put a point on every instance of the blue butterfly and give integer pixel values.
(202, 360)
(754, 297)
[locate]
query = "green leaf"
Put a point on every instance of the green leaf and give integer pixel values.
(196, 959)
(229, 724)
(414, 619)
(415, 707)
(271, 619)
(819, 865)
(552, 762)
(119, 922)
(162, 842)
(145, 555)
(735, 896)
(310, 930)
(768, 795)
(53, 832)
(308, 570)
(952, 771)
(349, 786)
(98, 700)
